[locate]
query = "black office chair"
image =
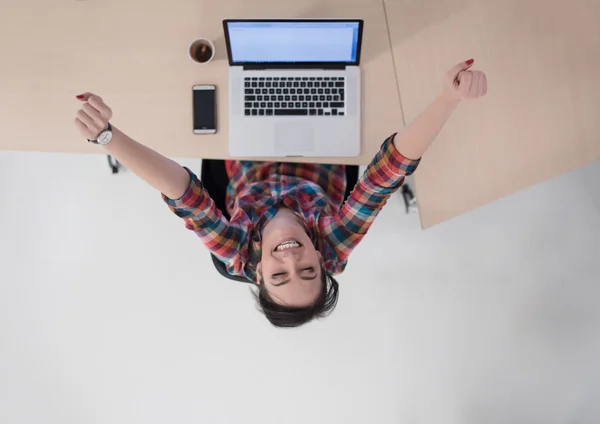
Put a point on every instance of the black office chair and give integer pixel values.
(215, 179)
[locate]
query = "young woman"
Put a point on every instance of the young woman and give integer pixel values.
(289, 231)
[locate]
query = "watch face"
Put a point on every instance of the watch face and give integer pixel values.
(105, 137)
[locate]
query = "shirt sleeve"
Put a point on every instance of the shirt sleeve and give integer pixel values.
(384, 176)
(204, 218)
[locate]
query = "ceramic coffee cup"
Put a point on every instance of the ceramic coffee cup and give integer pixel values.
(202, 51)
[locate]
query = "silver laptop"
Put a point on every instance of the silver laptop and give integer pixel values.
(294, 87)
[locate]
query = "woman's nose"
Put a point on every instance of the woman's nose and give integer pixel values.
(291, 255)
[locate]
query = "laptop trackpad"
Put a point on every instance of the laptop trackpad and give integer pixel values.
(294, 138)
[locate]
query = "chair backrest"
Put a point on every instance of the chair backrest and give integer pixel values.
(215, 180)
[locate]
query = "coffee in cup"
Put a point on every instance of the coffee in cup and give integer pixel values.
(202, 51)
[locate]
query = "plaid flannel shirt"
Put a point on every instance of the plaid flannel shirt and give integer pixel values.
(314, 192)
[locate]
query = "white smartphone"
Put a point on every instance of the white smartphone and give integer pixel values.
(205, 117)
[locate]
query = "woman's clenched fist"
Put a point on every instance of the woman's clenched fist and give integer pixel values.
(461, 83)
(93, 117)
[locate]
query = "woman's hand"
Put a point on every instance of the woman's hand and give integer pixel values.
(460, 83)
(93, 116)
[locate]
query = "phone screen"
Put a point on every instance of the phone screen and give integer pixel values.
(204, 110)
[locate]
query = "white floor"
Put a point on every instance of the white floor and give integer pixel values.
(111, 312)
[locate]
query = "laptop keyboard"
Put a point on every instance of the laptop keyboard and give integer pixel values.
(294, 96)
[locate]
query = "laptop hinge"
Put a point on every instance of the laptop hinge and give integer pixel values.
(320, 66)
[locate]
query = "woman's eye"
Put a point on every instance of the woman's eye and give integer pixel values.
(279, 274)
(311, 269)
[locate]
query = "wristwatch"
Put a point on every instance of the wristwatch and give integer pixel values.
(104, 137)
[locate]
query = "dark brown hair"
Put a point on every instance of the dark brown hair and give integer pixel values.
(285, 316)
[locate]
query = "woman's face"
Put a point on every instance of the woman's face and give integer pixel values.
(290, 265)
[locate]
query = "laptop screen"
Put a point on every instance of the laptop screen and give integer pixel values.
(293, 41)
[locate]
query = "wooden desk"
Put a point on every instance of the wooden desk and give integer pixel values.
(134, 53)
(541, 117)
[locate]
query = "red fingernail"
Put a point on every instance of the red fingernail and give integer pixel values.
(468, 62)
(80, 97)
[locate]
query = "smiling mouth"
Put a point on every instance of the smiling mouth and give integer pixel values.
(288, 244)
